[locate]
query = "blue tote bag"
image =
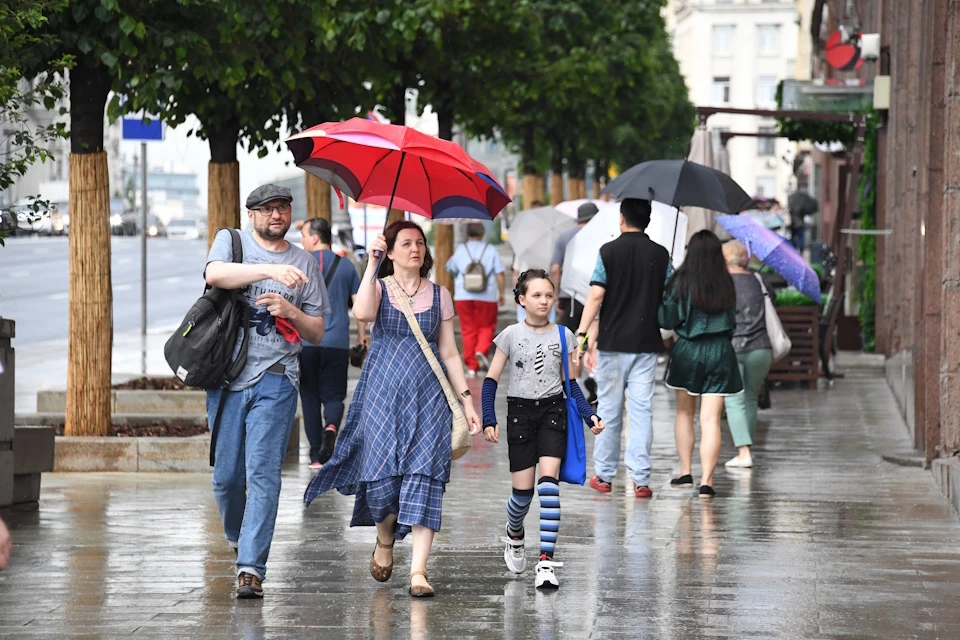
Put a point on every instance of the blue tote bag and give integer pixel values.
(573, 467)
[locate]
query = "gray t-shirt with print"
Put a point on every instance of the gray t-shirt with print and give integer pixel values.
(267, 346)
(535, 359)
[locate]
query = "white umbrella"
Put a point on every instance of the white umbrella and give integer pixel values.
(534, 233)
(668, 227)
(570, 206)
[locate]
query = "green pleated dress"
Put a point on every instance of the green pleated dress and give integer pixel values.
(703, 361)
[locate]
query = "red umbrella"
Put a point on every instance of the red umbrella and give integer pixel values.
(390, 165)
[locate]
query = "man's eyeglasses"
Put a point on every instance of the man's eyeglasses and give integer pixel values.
(282, 209)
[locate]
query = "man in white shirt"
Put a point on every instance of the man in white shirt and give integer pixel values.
(480, 283)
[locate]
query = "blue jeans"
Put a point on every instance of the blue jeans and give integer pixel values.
(635, 374)
(251, 444)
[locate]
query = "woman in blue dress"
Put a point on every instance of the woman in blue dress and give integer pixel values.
(394, 451)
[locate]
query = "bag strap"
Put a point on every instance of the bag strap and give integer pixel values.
(237, 245)
(401, 298)
(237, 366)
(215, 431)
(333, 270)
(565, 355)
(763, 287)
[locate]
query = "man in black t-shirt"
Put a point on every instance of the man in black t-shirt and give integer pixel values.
(626, 289)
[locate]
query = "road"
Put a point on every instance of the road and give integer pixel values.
(34, 284)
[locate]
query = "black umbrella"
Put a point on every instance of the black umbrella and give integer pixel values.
(802, 204)
(681, 183)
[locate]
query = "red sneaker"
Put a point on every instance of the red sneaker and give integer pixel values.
(642, 492)
(600, 485)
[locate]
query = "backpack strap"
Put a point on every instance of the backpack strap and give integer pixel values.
(333, 269)
(237, 245)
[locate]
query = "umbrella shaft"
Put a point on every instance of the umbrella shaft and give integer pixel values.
(396, 182)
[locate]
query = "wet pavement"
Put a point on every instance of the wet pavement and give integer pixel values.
(821, 540)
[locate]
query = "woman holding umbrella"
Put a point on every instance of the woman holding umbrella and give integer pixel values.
(754, 352)
(700, 306)
(394, 451)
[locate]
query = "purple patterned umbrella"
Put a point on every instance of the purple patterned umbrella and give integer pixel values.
(774, 251)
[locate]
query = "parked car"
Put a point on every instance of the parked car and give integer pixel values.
(32, 218)
(185, 228)
(8, 222)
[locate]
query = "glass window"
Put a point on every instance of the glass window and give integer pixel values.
(766, 91)
(768, 39)
(721, 90)
(766, 146)
(766, 187)
(723, 39)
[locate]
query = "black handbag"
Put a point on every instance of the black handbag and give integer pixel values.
(358, 353)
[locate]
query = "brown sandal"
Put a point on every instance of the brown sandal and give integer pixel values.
(418, 591)
(379, 573)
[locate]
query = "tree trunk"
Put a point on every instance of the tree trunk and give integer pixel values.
(556, 188)
(529, 189)
(223, 183)
(541, 188)
(318, 198)
(596, 189)
(90, 339)
(90, 344)
(443, 238)
(395, 215)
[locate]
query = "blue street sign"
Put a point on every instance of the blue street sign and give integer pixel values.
(138, 129)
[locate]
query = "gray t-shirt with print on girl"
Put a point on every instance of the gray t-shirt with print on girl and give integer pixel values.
(535, 360)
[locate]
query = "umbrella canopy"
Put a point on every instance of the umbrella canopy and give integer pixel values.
(399, 167)
(667, 228)
(534, 233)
(802, 204)
(701, 152)
(680, 183)
(774, 251)
(570, 206)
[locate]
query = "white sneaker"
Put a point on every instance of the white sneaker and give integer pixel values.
(513, 554)
(739, 463)
(546, 578)
(482, 360)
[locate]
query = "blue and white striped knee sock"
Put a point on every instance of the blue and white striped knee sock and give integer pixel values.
(517, 507)
(549, 491)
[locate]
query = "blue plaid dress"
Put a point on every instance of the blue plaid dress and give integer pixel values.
(393, 453)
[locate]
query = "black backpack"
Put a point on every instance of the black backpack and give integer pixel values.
(200, 351)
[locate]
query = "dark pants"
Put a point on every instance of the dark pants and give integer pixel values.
(323, 382)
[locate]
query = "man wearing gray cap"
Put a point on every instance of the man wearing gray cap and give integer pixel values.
(285, 292)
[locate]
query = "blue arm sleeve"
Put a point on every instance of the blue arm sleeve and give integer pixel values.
(488, 399)
(586, 411)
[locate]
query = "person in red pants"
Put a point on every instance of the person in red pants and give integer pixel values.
(480, 282)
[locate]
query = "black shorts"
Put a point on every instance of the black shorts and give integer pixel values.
(535, 429)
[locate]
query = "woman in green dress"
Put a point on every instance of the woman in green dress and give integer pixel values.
(700, 305)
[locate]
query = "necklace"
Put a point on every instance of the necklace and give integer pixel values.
(536, 326)
(409, 296)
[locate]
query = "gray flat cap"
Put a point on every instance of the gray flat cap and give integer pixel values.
(266, 193)
(586, 211)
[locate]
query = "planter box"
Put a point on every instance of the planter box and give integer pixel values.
(802, 364)
(134, 402)
(93, 453)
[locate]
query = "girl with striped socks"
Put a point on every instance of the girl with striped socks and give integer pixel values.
(536, 419)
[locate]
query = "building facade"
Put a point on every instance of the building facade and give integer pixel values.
(733, 53)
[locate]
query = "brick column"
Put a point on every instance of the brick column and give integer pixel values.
(7, 363)
(949, 130)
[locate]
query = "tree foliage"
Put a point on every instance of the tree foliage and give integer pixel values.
(26, 140)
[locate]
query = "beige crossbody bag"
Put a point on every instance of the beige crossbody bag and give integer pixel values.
(459, 432)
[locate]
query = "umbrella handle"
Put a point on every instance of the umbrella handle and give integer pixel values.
(379, 254)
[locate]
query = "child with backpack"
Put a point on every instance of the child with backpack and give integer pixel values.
(536, 418)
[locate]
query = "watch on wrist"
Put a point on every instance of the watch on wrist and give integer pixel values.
(466, 394)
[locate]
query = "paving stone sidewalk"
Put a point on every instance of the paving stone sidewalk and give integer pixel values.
(821, 540)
